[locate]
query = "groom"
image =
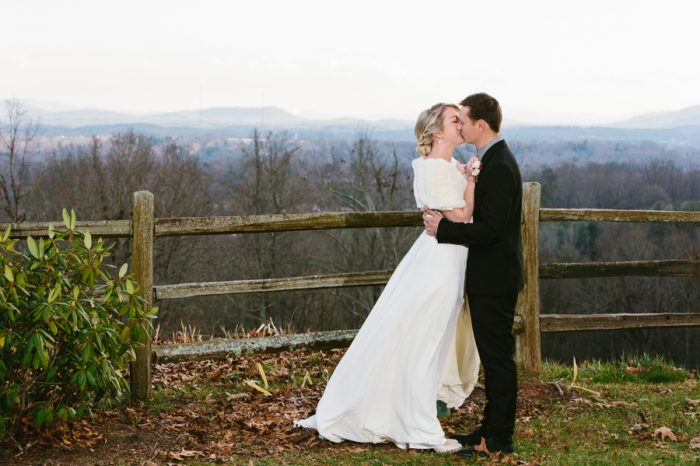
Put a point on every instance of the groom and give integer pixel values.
(494, 269)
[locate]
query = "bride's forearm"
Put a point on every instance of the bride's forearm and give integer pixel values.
(458, 215)
(464, 214)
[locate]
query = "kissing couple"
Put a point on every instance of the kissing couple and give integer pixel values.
(420, 343)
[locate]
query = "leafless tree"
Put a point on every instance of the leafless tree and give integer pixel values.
(15, 140)
(364, 177)
(266, 181)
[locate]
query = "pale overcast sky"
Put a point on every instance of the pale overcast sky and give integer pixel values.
(555, 61)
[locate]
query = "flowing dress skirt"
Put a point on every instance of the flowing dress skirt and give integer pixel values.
(415, 347)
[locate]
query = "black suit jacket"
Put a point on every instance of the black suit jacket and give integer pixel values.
(495, 263)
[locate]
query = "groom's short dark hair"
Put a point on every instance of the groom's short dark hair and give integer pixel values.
(484, 107)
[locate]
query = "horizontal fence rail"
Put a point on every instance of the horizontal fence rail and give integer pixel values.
(187, 226)
(580, 322)
(339, 280)
(190, 226)
(284, 222)
(104, 228)
(609, 215)
(221, 348)
(670, 268)
(381, 277)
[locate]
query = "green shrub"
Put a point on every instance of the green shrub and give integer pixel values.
(67, 327)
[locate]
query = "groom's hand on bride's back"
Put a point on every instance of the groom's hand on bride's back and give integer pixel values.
(431, 220)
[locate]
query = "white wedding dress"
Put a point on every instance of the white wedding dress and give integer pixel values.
(416, 345)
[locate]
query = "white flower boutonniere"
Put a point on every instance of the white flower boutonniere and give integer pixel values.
(476, 168)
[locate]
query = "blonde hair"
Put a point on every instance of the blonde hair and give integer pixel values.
(429, 122)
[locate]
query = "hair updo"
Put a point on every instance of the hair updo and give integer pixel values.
(429, 122)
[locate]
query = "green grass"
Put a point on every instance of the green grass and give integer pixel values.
(599, 432)
(633, 369)
(166, 399)
(315, 359)
(162, 400)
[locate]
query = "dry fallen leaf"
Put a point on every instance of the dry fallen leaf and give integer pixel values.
(254, 384)
(482, 446)
(663, 433)
(694, 443)
(182, 454)
(307, 378)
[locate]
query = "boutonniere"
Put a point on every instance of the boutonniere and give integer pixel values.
(476, 168)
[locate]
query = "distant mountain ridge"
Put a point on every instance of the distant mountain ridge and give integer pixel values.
(53, 114)
(681, 127)
(689, 116)
(208, 118)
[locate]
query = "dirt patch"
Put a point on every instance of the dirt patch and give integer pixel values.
(209, 411)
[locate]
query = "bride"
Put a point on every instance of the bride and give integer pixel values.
(416, 345)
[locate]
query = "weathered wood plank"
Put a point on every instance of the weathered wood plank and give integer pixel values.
(610, 215)
(582, 322)
(184, 226)
(221, 348)
(103, 228)
(142, 268)
(528, 343)
(380, 277)
(293, 222)
(340, 280)
(659, 268)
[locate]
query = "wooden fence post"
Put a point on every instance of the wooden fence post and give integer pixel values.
(142, 227)
(528, 307)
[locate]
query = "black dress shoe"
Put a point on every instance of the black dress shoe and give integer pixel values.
(469, 452)
(492, 444)
(469, 439)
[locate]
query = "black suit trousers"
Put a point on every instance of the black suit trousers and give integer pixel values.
(492, 320)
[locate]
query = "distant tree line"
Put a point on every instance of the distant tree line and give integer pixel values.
(275, 172)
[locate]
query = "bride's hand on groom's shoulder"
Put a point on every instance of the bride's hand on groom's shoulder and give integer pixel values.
(461, 167)
(431, 220)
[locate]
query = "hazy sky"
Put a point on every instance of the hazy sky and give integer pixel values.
(556, 61)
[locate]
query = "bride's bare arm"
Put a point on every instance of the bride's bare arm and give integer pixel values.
(463, 214)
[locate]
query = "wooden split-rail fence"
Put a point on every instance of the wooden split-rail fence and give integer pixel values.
(144, 228)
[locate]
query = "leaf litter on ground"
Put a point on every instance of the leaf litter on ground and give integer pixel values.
(207, 407)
